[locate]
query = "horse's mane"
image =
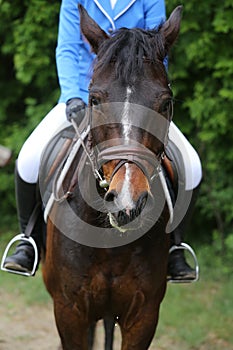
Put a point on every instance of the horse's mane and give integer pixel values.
(129, 49)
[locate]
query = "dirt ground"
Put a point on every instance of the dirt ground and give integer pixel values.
(21, 329)
(33, 328)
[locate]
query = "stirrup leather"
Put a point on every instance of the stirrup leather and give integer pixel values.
(185, 246)
(21, 237)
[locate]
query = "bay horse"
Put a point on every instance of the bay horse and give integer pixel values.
(106, 249)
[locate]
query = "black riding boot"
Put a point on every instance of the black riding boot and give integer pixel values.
(178, 268)
(26, 198)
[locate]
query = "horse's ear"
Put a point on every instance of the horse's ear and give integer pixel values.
(171, 28)
(91, 30)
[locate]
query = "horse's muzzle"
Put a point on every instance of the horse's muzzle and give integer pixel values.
(122, 214)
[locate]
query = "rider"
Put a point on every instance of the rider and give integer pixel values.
(74, 59)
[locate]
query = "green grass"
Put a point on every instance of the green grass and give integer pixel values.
(195, 313)
(30, 289)
(199, 314)
(194, 316)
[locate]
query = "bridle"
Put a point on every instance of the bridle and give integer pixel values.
(139, 155)
(133, 152)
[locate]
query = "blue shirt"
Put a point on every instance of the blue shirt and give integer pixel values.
(73, 53)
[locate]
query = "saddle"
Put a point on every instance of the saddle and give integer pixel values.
(56, 162)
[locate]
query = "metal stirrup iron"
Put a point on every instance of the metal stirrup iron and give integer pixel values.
(27, 238)
(185, 246)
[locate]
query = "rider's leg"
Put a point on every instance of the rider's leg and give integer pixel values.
(189, 176)
(31, 152)
(26, 179)
(178, 268)
(26, 199)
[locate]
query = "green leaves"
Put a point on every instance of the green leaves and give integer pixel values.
(28, 81)
(202, 65)
(35, 40)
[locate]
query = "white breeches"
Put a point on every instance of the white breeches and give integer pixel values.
(191, 160)
(30, 154)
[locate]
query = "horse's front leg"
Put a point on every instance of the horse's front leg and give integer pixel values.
(72, 326)
(139, 323)
(139, 334)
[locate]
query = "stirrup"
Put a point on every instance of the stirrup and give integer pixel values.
(185, 246)
(21, 237)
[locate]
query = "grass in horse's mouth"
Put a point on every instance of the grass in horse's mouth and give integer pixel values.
(124, 228)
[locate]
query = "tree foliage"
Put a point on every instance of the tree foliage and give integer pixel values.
(28, 81)
(201, 72)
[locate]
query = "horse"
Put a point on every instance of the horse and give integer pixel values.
(106, 247)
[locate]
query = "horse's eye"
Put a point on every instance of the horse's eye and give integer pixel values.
(166, 109)
(94, 101)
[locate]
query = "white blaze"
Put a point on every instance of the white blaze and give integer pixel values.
(125, 195)
(125, 115)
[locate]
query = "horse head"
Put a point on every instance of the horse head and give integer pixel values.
(130, 106)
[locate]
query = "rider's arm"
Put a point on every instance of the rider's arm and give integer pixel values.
(155, 13)
(68, 49)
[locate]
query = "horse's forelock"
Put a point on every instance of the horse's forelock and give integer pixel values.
(128, 49)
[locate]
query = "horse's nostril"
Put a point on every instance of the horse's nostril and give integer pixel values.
(110, 196)
(142, 201)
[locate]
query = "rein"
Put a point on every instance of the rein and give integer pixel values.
(89, 155)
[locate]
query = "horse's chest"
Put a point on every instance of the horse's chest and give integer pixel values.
(110, 280)
(98, 282)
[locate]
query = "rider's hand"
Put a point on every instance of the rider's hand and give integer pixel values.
(75, 109)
